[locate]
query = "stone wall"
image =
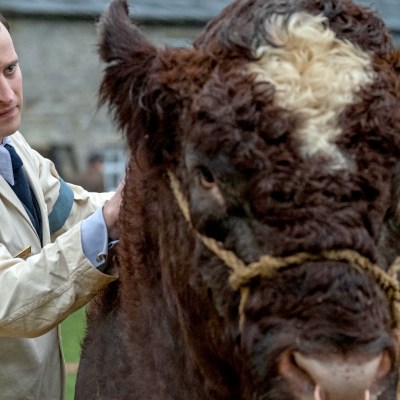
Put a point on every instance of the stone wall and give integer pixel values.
(62, 72)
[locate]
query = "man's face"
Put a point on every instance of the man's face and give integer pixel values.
(10, 85)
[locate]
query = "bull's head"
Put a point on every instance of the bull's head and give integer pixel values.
(277, 138)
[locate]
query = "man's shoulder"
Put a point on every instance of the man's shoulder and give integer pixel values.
(19, 142)
(23, 148)
(17, 139)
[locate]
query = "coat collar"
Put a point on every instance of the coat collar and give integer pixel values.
(8, 195)
(6, 170)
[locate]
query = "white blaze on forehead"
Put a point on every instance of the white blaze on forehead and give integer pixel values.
(316, 75)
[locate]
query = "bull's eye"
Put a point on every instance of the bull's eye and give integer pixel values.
(206, 178)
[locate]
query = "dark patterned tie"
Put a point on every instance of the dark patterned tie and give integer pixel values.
(24, 192)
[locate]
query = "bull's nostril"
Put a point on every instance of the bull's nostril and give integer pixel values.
(297, 378)
(317, 393)
(384, 366)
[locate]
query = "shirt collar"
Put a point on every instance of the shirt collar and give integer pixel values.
(6, 170)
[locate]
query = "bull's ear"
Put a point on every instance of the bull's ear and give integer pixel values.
(129, 59)
(119, 37)
(127, 53)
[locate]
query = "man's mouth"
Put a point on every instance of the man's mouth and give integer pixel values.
(8, 112)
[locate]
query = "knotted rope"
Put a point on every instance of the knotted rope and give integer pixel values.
(267, 266)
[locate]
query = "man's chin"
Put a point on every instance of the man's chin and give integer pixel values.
(8, 130)
(6, 134)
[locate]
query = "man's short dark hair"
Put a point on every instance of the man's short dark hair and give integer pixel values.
(4, 22)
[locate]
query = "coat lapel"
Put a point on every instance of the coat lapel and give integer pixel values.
(8, 195)
(30, 170)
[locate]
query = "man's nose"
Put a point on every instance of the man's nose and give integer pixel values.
(6, 92)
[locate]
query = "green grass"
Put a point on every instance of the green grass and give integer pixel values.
(72, 330)
(70, 387)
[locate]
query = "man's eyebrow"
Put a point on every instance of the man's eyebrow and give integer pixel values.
(12, 62)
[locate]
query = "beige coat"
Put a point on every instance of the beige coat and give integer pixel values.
(38, 292)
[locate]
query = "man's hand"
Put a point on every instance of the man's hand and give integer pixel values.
(111, 212)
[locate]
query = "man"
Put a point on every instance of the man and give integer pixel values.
(52, 250)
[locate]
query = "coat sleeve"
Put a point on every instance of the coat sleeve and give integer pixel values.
(39, 292)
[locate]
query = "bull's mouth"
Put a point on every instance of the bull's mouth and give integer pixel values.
(319, 396)
(336, 377)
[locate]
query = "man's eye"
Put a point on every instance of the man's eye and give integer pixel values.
(11, 69)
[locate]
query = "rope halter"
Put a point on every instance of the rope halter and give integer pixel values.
(242, 274)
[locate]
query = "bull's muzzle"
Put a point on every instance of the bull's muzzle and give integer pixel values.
(337, 377)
